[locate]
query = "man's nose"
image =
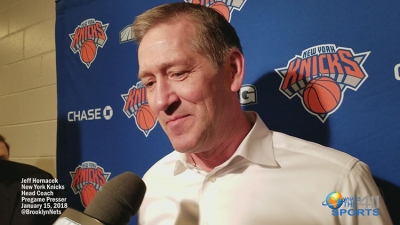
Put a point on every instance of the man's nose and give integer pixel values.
(165, 95)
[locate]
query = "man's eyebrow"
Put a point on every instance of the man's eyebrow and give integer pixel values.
(141, 75)
(165, 66)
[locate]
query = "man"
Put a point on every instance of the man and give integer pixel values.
(4, 149)
(11, 175)
(228, 167)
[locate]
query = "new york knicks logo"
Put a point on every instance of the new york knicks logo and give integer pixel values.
(87, 179)
(87, 38)
(321, 75)
(137, 106)
(224, 7)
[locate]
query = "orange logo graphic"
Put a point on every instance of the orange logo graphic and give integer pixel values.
(136, 105)
(320, 77)
(224, 7)
(86, 39)
(87, 180)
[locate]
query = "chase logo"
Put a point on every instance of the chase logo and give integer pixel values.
(321, 75)
(87, 179)
(87, 38)
(137, 106)
(90, 114)
(224, 7)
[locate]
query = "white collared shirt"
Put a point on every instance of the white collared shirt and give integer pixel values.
(272, 178)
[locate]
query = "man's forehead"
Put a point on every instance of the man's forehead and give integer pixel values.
(174, 43)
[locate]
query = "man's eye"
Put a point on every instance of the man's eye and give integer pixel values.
(149, 84)
(179, 75)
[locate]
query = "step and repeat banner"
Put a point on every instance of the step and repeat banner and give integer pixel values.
(324, 71)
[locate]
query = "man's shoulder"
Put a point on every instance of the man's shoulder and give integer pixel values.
(18, 170)
(286, 145)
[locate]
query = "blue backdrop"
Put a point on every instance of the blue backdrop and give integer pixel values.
(324, 71)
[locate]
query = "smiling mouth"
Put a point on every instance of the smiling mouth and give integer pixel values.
(177, 120)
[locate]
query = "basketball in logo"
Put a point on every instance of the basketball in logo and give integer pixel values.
(145, 118)
(221, 8)
(88, 51)
(87, 193)
(322, 95)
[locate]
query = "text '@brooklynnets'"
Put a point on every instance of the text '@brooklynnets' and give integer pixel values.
(38, 197)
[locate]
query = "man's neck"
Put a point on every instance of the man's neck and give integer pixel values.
(208, 160)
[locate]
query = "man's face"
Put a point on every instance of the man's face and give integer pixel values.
(189, 96)
(3, 151)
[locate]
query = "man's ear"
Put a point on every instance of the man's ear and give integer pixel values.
(236, 69)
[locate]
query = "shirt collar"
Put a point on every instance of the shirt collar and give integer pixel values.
(256, 147)
(184, 162)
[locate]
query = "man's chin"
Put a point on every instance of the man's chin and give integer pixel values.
(184, 148)
(187, 143)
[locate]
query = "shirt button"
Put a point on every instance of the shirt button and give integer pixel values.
(212, 179)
